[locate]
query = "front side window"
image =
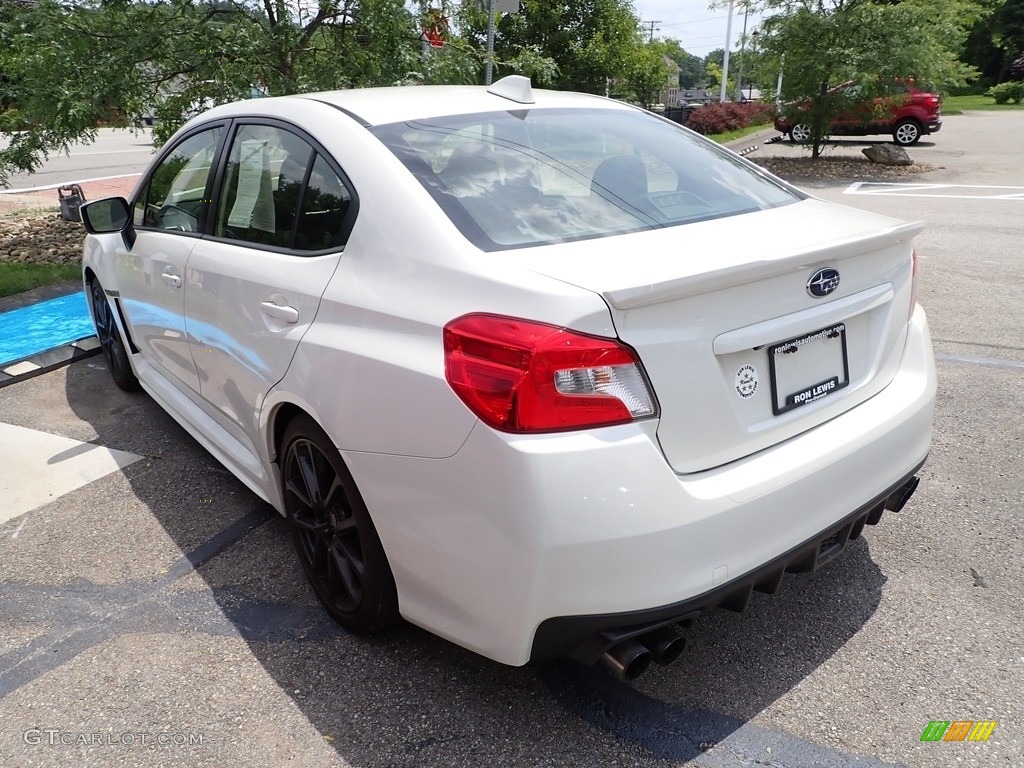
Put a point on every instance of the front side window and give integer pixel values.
(530, 177)
(175, 197)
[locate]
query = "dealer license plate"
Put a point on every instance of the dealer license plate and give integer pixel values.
(808, 368)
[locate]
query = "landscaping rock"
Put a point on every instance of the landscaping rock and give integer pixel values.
(804, 170)
(888, 154)
(40, 238)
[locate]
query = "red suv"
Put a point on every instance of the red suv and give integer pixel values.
(905, 111)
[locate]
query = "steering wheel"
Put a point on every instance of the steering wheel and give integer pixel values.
(177, 218)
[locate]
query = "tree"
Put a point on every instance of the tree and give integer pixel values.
(646, 73)
(68, 67)
(713, 77)
(821, 43)
(691, 68)
(716, 56)
(996, 39)
(591, 42)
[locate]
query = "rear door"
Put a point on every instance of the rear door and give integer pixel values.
(254, 284)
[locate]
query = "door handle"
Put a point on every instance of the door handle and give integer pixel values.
(285, 314)
(172, 280)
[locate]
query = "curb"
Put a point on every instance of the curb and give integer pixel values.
(48, 360)
(44, 198)
(748, 144)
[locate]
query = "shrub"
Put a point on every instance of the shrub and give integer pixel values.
(974, 89)
(1004, 93)
(709, 119)
(716, 118)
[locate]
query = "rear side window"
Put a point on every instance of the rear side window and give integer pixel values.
(279, 192)
(530, 177)
(324, 206)
(262, 183)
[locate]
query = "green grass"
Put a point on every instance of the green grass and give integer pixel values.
(955, 105)
(15, 278)
(722, 138)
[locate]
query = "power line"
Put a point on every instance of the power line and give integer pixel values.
(694, 21)
(653, 29)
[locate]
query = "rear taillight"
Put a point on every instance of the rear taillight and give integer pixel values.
(521, 376)
(915, 270)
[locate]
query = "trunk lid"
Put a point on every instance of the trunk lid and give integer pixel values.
(739, 352)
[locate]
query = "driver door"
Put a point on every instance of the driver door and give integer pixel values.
(169, 213)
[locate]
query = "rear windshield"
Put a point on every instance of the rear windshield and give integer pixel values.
(531, 177)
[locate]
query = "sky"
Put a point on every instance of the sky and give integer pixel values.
(698, 29)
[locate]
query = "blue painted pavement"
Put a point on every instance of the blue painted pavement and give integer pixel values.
(46, 325)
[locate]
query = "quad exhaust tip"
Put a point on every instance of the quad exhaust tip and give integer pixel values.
(630, 658)
(898, 499)
(664, 644)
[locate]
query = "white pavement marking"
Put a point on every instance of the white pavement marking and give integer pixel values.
(150, 150)
(20, 368)
(65, 184)
(945, 191)
(38, 467)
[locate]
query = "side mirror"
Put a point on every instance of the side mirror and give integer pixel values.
(109, 215)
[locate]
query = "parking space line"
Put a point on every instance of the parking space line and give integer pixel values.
(122, 608)
(40, 467)
(943, 191)
(989, 362)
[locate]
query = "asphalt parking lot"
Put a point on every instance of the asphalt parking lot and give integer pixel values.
(157, 615)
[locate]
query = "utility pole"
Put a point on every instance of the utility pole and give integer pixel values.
(493, 7)
(650, 38)
(743, 50)
(725, 62)
(490, 42)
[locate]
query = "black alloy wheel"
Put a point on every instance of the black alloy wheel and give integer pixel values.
(334, 537)
(111, 343)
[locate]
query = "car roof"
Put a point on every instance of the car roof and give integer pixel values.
(379, 106)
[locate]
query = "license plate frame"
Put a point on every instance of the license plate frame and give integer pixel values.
(828, 368)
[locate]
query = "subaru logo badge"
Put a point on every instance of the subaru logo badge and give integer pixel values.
(823, 282)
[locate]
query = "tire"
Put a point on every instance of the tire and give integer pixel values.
(800, 133)
(334, 537)
(906, 132)
(111, 342)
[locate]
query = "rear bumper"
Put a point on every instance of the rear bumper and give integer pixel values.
(503, 547)
(586, 638)
(933, 126)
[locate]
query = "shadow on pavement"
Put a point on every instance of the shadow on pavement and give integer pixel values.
(408, 698)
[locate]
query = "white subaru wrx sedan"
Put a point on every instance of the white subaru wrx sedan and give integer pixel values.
(540, 372)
